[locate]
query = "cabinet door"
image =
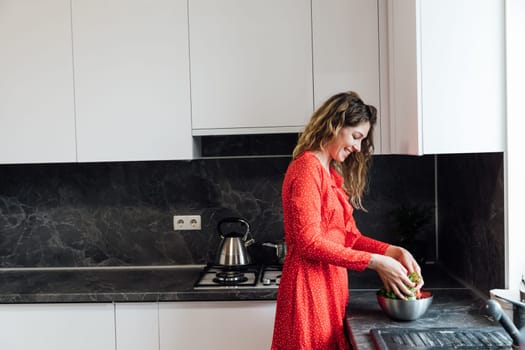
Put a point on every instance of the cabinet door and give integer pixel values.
(251, 66)
(515, 167)
(137, 326)
(132, 80)
(346, 51)
(37, 121)
(463, 76)
(447, 76)
(230, 325)
(57, 327)
(404, 78)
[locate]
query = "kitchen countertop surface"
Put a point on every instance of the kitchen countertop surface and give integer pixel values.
(157, 283)
(115, 285)
(453, 305)
(450, 308)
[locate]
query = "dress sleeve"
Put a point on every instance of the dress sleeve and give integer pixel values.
(371, 245)
(303, 199)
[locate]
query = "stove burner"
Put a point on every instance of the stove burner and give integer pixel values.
(230, 277)
(250, 276)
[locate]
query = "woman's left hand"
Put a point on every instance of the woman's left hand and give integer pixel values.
(407, 260)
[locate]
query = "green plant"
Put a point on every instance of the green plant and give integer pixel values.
(409, 220)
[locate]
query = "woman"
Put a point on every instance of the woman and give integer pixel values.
(322, 185)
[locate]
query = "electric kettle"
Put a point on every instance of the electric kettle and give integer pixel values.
(232, 250)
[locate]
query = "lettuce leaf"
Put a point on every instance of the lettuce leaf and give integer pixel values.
(414, 277)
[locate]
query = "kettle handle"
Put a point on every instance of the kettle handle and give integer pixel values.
(234, 220)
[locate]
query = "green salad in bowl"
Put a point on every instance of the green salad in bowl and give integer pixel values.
(405, 310)
(415, 294)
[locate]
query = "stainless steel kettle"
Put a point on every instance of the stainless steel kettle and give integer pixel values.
(232, 250)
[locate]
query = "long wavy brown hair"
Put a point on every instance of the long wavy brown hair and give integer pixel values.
(339, 111)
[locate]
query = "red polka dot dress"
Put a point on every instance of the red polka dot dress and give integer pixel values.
(323, 242)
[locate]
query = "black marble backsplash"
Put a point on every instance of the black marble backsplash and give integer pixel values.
(472, 218)
(121, 214)
(111, 214)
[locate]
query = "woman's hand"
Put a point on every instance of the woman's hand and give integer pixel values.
(393, 269)
(406, 259)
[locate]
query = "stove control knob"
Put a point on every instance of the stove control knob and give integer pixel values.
(266, 281)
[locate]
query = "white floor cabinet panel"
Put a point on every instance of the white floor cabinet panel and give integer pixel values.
(137, 326)
(57, 327)
(231, 325)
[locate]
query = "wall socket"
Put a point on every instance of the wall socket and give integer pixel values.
(186, 222)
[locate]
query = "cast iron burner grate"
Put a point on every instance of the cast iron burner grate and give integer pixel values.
(441, 338)
(230, 277)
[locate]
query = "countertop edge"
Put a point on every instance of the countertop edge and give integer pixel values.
(27, 286)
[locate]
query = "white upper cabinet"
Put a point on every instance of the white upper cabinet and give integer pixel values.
(251, 66)
(131, 80)
(346, 46)
(447, 75)
(514, 165)
(37, 121)
(109, 80)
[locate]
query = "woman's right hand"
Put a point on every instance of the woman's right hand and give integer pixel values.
(393, 274)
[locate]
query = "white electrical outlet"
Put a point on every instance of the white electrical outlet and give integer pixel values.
(186, 222)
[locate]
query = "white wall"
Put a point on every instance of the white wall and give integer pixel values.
(515, 182)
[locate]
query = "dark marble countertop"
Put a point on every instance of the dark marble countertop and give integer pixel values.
(115, 285)
(149, 284)
(453, 304)
(451, 307)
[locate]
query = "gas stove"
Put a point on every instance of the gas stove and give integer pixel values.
(250, 276)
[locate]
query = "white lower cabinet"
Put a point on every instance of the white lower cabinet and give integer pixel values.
(217, 325)
(57, 326)
(137, 326)
(197, 325)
